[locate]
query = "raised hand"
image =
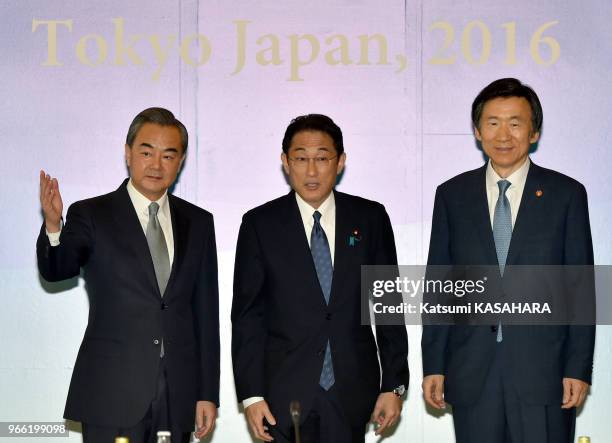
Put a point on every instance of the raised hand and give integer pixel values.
(51, 202)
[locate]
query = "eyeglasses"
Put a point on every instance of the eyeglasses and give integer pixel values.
(319, 161)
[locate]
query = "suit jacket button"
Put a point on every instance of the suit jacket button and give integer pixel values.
(328, 316)
(493, 328)
(156, 342)
(164, 306)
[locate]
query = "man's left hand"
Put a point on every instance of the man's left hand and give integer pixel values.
(386, 412)
(206, 414)
(574, 392)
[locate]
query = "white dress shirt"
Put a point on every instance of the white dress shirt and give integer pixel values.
(141, 205)
(328, 223)
(514, 193)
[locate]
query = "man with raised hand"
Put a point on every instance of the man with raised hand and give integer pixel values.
(149, 359)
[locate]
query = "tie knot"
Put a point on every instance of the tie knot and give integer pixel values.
(317, 216)
(503, 186)
(153, 208)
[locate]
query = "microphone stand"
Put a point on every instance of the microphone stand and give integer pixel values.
(294, 410)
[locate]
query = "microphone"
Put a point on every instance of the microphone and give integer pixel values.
(294, 410)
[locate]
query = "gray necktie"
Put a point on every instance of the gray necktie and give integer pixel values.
(158, 249)
(319, 247)
(502, 232)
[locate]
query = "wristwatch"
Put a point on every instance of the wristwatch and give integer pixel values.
(400, 390)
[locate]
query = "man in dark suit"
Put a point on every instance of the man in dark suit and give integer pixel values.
(296, 313)
(149, 359)
(509, 383)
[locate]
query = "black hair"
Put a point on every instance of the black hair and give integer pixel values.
(508, 87)
(314, 122)
(158, 116)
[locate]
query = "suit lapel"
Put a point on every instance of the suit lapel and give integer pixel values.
(477, 193)
(131, 234)
(180, 228)
(526, 213)
(342, 250)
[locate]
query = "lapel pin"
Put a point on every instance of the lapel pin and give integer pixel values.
(539, 193)
(354, 237)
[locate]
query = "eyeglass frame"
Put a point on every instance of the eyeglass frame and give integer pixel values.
(320, 162)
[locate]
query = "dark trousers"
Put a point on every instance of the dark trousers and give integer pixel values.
(500, 417)
(325, 423)
(157, 418)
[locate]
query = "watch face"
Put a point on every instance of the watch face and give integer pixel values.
(400, 390)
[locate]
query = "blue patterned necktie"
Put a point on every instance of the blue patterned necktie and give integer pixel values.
(502, 232)
(319, 247)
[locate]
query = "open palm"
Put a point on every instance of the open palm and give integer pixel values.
(51, 202)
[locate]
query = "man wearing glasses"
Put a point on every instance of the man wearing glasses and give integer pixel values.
(296, 313)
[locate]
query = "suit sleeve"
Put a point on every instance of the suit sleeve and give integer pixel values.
(579, 251)
(392, 339)
(56, 263)
(206, 308)
(435, 335)
(248, 323)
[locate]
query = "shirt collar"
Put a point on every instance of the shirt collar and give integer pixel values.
(327, 208)
(516, 179)
(141, 203)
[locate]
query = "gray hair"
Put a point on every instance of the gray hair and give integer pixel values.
(158, 116)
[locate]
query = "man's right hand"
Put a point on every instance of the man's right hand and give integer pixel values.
(255, 414)
(433, 391)
(51, 202)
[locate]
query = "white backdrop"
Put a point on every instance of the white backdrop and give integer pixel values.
(398, 77)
